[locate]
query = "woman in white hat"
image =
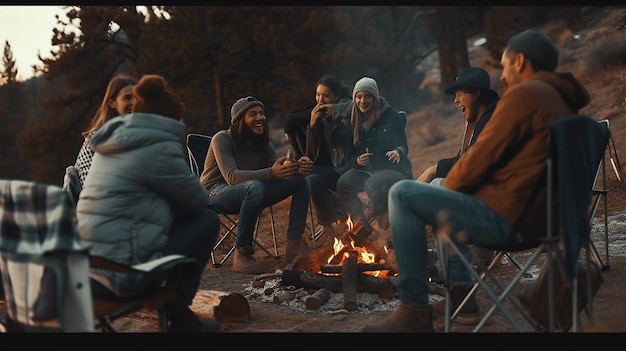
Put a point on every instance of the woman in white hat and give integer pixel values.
(379, 143)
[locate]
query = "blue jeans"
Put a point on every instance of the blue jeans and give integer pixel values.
(249, 198)
(412, 205)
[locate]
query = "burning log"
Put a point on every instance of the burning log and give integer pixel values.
(221, 306)
(317, 299)
(339, 256)
(310, 280)
(350, 274)
(361, 267)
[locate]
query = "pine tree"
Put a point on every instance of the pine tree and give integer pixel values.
(8, 74)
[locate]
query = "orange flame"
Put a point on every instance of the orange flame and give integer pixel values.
(349, 224)
(363, 254)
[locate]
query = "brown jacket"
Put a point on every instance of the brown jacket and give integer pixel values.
(508, 158)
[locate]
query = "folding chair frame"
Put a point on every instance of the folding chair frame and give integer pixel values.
(599, 195)
(67, 267)
(229, 229)
(479, 274)
(549, 244)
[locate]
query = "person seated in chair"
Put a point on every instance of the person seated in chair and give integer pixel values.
(305, 133)
(486, 190)
(141, 201)
(377, 138)
(243, 174)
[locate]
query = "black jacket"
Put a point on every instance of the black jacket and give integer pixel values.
(444, 165)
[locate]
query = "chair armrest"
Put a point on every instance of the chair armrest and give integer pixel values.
(163, 263)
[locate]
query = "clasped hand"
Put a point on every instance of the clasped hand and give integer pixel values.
(288, 170)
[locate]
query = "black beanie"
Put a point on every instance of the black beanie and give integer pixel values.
(537, 47)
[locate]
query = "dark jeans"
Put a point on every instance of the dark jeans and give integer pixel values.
(414, 204)
(349, 185)
(193, 238)
(325, 199)
(376, 185)
(249, 198)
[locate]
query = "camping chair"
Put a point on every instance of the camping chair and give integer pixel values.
(46, 269)
(197, 149)
(576, 144)
(599, 198)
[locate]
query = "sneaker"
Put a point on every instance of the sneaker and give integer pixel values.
(468, 315)
(244, 261)
(185, 321)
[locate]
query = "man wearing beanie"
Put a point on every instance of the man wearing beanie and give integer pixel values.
(140, 201)
(376, 143)
(485, 196)
(243, 174)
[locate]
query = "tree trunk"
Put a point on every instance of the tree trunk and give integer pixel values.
(450, 33)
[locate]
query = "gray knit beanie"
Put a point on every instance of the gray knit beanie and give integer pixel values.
(241, 106)
(366, 84)
(537, 47)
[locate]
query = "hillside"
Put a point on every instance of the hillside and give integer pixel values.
(596, 55)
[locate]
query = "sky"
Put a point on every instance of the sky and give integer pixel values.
(29, 31)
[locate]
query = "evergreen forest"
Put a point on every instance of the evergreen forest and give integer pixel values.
(213, 55)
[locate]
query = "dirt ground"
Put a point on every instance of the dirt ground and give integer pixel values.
(292, 317)
(608, 89)
(610, 302)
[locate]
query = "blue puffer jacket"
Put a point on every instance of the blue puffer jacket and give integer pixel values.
(138, 183)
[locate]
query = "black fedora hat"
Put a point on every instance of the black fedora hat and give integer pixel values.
(472, 78)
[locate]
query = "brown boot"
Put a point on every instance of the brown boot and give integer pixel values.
(295, 248)
(468, 315)
(405, 319)
(244, 261)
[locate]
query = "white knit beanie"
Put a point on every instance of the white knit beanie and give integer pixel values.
(366, 84)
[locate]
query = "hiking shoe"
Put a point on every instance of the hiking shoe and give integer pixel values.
(183, 320)
(295, 248)
(468, 315)
(244, 261)
(404, 319)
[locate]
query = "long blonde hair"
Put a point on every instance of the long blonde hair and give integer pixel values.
(106, 112)
(357, 117)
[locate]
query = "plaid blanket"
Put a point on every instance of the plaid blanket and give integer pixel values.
(36, 218)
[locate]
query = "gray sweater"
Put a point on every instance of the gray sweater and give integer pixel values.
(224, 164)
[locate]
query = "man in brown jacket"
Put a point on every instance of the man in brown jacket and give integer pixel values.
(486, 190)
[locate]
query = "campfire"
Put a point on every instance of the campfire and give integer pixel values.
(368, 259)
(352, 264)
(371, 257)
(333, 275)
